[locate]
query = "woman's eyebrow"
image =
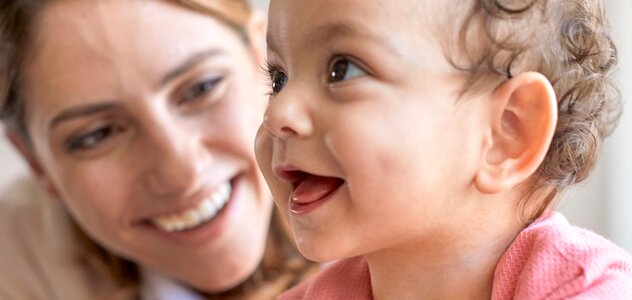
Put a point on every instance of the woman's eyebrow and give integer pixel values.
(90, 109)
(189, 63)
(81, 111)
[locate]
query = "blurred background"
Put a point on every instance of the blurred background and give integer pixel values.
(602, 204)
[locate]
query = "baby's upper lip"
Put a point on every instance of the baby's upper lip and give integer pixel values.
(290, 173)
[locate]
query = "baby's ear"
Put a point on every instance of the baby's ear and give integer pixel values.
(33, 162)
(523, 121)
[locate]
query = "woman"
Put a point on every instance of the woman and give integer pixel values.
(137, 118)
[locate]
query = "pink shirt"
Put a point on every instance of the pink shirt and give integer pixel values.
(550, 259)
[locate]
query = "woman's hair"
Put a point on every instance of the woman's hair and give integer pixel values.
(569, 43)
(17, 20)
(282, 266)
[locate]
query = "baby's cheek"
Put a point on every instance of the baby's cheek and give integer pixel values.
(362, 154)
(263, 150)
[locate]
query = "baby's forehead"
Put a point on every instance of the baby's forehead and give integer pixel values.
(380, 12)
(316, 21)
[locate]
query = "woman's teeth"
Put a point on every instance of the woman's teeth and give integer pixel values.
(194, 217)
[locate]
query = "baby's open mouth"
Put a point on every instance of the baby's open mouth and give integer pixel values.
(310, 188)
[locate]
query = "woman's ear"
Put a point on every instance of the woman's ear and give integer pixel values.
(256, 30)
(33, 162)
(523, 121)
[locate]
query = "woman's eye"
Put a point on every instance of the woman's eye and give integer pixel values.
(200, 89)
(344, 69)
(278, 80)
(89, 140)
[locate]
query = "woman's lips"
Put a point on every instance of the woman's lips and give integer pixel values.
(208, 230)
(312, 191)
(198, 215)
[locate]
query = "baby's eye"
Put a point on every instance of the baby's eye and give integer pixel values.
(278, 79)
(344, 69)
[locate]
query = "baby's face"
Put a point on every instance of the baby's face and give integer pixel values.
(364, 144)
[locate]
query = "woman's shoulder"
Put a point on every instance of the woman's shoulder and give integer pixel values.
(22, 215)
(27, 216)
(346, 279)
(20, 193)
(20, 220)
(39, 255)
(552, 258)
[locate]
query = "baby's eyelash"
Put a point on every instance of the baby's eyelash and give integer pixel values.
(266, 67)
(269, 69)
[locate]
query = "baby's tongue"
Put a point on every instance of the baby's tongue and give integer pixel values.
(314, 188)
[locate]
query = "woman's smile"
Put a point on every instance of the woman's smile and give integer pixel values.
(193, 217)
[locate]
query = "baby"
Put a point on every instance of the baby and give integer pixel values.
(423, 145)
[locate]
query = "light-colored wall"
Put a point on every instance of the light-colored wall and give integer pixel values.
(260, 4)
(11, 164)
(618, 214)
(603, 204)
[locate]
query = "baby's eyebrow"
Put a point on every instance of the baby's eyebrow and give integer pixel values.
(271, 43)
(321, 35)
(324, 34)
(330, 31)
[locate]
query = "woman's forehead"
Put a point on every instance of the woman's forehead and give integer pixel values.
(117, 24)
(76, 40)
(103, 50)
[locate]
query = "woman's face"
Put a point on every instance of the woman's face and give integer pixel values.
(142, 116)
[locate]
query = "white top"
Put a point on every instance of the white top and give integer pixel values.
(156, 286)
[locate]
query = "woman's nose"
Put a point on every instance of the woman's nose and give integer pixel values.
(178, 160)
(288, 116)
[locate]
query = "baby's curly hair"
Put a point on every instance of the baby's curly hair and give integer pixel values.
(569, 43)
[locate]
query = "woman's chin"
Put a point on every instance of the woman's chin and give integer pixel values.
(214, 282)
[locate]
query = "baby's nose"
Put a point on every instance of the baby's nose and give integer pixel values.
(286, 118)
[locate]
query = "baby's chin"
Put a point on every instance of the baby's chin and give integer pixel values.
(324, 251)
